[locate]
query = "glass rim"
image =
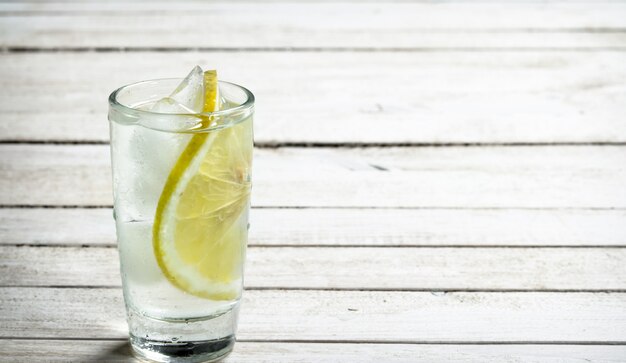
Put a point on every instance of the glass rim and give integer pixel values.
(113, 101)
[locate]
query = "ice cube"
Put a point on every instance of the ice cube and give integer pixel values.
(170, 105)
(190, 92)
(164, 120)
(187, 98)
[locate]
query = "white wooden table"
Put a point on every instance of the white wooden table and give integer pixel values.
(433, 181)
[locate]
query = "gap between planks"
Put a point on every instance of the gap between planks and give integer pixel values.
(287, 289)
(17, 49)
(361, 341)
(304, 245)
(346, 145)
(278, 207)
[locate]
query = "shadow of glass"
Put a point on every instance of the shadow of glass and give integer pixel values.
(117, 352)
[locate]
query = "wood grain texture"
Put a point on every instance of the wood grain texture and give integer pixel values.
(17, 351)
(342, 316)
(540, 269)
(348, 227)
(311, 97)
(489, 177)
(399, 25)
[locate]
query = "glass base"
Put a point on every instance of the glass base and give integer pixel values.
(198, 351)
(205, 339)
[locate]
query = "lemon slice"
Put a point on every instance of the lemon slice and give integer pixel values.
(200, 226)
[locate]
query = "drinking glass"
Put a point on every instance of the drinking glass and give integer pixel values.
(181, 185)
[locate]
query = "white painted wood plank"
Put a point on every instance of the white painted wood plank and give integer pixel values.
(550, 269)
(352, 227)
(444, 25)
(14, 351)
(57, 226)
(309, 97)
(491, 177)
(342, 315)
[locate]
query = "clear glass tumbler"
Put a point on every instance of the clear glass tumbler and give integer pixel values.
(181, 185)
